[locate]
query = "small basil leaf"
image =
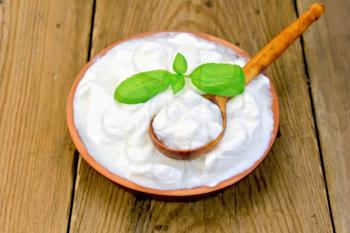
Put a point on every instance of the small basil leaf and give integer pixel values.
(177, 83)
(142, 86)
(219, 79)
(180, 64)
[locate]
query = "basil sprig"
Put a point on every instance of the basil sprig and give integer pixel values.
(211, 78)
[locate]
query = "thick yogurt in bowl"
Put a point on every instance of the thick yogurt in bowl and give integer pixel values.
(115, 134)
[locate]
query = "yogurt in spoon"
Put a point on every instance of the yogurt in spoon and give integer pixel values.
(189, 121)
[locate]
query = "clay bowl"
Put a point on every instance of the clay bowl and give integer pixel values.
(156, 192)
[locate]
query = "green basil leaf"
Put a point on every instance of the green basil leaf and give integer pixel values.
(142, 86)
(219, 79)
(177, 83)
(180, 64)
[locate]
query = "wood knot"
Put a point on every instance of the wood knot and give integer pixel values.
(159, 227)
(208, 3)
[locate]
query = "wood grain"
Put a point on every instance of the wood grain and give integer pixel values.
(327, 53)
(285, 194)
(43, 44)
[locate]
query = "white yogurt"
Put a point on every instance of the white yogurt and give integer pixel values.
(115, 134)
(188, 121)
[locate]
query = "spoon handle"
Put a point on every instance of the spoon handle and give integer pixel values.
(281, 42)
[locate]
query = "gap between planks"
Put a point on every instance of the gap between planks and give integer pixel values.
(76, 152)
(308, 81)
(74, 178)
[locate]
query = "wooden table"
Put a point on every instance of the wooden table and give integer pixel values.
(302, 186)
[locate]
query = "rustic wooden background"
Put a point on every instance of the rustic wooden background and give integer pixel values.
(302, 186)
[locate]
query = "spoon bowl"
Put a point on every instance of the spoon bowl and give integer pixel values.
(187, 154)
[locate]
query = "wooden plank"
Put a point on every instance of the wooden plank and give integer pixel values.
(43, 44)
(327, 52)
(285, 194)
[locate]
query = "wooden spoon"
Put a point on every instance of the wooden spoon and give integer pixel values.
(253, 68)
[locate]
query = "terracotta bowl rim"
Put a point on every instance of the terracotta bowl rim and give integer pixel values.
(159, 192)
